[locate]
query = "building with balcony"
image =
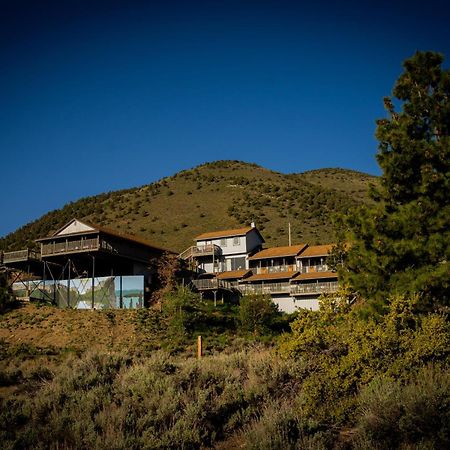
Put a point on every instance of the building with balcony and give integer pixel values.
(224, 251)
(294, 276)
(86, 264)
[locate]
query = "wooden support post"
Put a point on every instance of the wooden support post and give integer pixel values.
(222, 298)
(93, 282)
(68, 285)
(121, 294)
(215, 298)
(43, 282)
(199, 347)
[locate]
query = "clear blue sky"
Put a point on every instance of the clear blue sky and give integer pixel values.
(103, 95)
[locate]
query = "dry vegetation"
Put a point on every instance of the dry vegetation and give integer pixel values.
(339, 381)
(172, 211)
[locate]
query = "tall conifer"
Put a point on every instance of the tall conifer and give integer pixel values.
(402, 242)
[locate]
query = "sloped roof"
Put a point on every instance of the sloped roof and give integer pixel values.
(97, 228)
(227, 233)
(316, 250)
(271, 276)
(234, 274)
(315, 275)
(278, 252)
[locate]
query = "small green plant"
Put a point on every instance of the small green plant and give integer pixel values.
(257, 313)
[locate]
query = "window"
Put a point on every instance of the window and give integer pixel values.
(223, 242)
(237, 240)
(238, 263)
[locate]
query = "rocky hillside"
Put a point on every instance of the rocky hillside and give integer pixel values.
(217, 195)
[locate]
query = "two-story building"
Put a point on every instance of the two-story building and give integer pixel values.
(83, 265)
(225, 250)
(234, 261)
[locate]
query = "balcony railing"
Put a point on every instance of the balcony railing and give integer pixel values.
(56, 248)
(266, 288)
(314, 288)
(20, 255)
(214, 283)
(201, 250)
(317, 268)
(276, 269)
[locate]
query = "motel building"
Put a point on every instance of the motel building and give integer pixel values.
(234, 262)
(87, 266)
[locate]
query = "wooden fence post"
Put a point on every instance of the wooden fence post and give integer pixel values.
(199, 347)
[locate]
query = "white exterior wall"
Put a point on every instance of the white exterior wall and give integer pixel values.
(207, 266)
(288, 304)
(247, 243)
(75, 227)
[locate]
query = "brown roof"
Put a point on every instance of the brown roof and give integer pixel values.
(278, 252)
(314, 275)
(234, 274)
(110, 232)
(271, 276)
(227, 233)
(316, 250)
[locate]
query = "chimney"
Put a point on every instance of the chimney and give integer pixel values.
(253, 225)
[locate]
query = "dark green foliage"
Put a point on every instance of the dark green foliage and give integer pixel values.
(416, 413)
(344, 353)
(402, 242)
(6, 299)
(257, 313)
(229, 194)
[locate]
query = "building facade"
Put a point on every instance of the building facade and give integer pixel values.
(234, 261)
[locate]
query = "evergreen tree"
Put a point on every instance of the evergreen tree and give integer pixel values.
(402, 242)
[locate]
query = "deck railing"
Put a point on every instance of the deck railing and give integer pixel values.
(276, 269)
(56, 248)
(316, 268)
(201, 250)
(213, 283)
(266, 288)
(314, 288)
(20, 255)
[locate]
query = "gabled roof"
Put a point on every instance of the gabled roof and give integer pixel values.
(316, 250)
(271, 276)
(91, 228)
(234, 274)
(315, 275)
(228, 233)
(278, 252)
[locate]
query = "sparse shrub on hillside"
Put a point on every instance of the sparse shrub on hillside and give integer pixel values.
(415, 414)
(257, 313)
(346, 351)
(6, 299)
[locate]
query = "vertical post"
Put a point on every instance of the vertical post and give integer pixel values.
(199, 347)
(93, 282)
(121, 294)
(43, 281)
(215, 297)
(68, 285)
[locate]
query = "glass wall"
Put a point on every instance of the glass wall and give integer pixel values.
(125, 292)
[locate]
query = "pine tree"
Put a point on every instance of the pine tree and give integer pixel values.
(401, 244)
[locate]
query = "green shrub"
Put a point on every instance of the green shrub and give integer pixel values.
(257, 313)
(416, 413)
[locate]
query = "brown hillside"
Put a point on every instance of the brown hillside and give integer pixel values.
(214, 196)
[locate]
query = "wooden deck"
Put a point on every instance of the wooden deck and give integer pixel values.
(77, 246)
(200, 250)
(314, 288)
(20, 256)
